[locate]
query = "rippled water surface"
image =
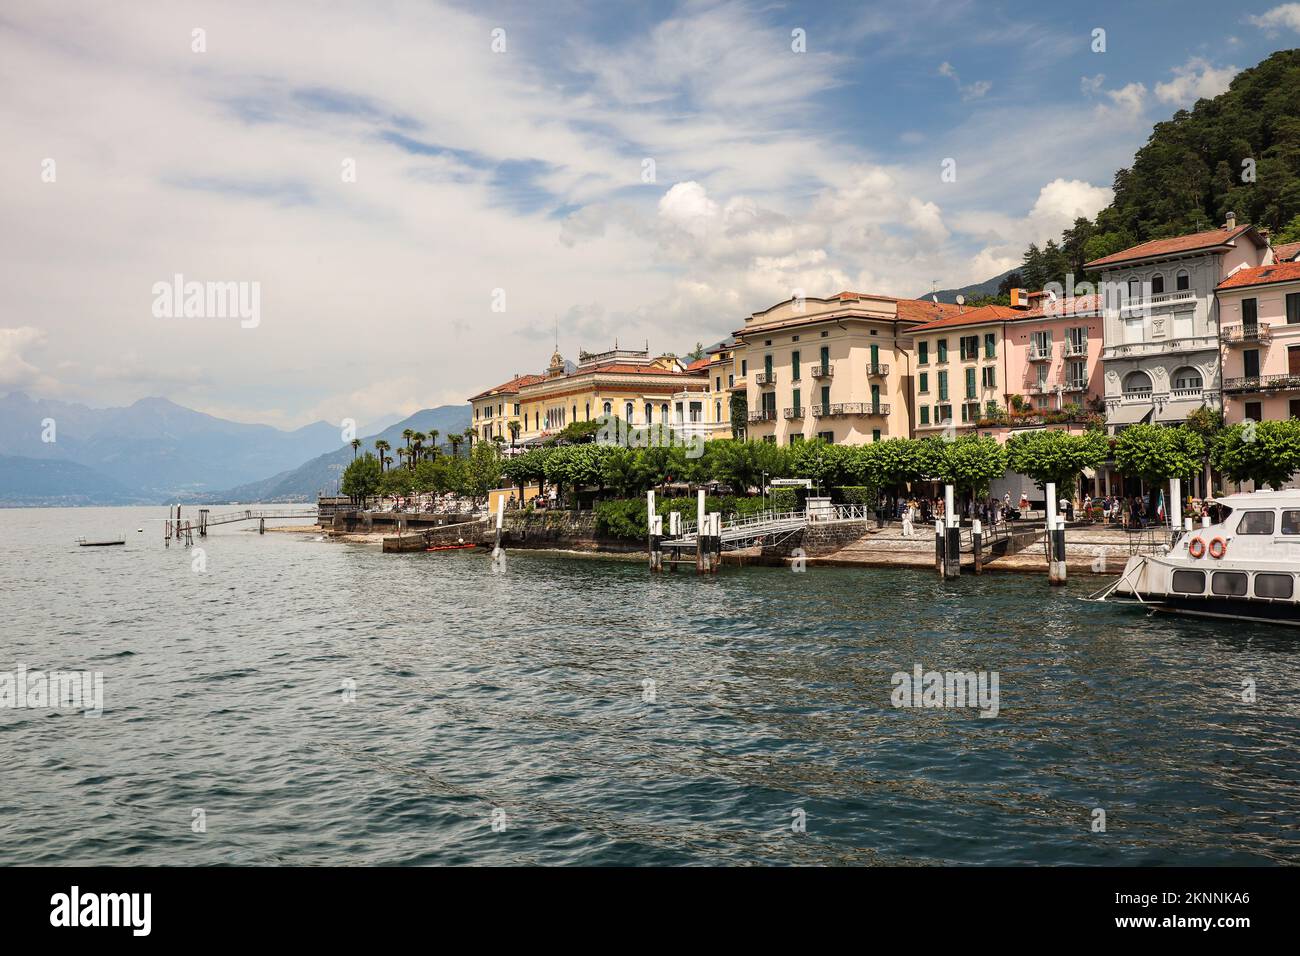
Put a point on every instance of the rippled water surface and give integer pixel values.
(524, 692)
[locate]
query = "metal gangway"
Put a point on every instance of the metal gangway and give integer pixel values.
(769, 528)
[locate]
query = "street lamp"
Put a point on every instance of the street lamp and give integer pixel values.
(764, 491)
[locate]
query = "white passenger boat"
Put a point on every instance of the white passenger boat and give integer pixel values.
(1244, 568)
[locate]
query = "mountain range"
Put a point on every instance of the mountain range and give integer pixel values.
(54, 452)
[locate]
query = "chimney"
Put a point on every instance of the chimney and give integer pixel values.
(1232, 220)
(1019, 298)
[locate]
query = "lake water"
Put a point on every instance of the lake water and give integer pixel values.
(311, 702)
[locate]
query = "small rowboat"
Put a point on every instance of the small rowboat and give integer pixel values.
(452, 547)
(105, 543)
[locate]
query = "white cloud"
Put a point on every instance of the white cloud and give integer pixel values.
(1287, 15)
(16, 372)
(1196, 79)
(1091, 85)
(1126, 103)
(968, 91)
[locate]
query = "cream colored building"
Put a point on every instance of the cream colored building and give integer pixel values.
(838, 368)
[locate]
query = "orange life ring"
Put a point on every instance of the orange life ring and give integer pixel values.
(1218, 548)
(1197, 548)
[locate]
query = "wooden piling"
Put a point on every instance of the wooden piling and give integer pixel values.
(701, 561)
(940, 548)
(977, 544)
(952, 551)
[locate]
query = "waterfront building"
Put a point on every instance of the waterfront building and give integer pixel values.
(1161, 353)
(837, 369)
(626, 383)
(998, 369)
(492, 411)
(1259, 333)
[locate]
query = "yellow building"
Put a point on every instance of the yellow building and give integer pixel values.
(495, 409)
(838, 369)
(626, 383)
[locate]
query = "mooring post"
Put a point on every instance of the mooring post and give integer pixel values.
(650, 526)
(700, 559)
(977, 541)
(940, 547)
(1175, 504)
(952, 562)
(501, 517)
(715, 541)
(261, 526)
(1054, 533)
(675, 531)
(656, 543)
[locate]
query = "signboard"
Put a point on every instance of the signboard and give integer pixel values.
(790, 483)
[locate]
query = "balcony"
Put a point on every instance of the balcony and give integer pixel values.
(1040, 353)
(763, 415)
(849, 408)
(877, 371)
(1250, 334)
(1078, 385)
(738, 385)
(822, 371)
(794, 412)
(765, 378)
(1075, 349)
(1038, 388)
(1190, 343)
(1261, 383)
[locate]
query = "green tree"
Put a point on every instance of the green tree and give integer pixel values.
(1055, 455)
(1267, 453)
(970, 463)
(1156, 453)
(361, 477)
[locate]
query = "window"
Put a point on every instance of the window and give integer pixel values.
(943, 350)
(717, 411)
(794, 368)
(770, 439)
(718, 383)
(1182, 281)
(1293, 408)
(989, 376)
(1189, 582)
(1157, 284)
(924, 379)
(922, 353)
(649, 413)
(925, 414)
(1134, 290)
(1291, 522)
(943, 414)
(609, 410)
(943, 385)
(990, 345)
(969, 346)
(1230, 583)
(1256, 522)
(824, 334)
(1255, 411)
(875, 434)
(1274, 585)
(663, 413)
(1042, 344)
(828, 437)
(825, 358)
(1250, 362)
(1187, 378)
(627, 412)
(970, 382)
(1250, 312)
(744, 367)
(1077, 373)
(1137, 382)
(795, 438)
(794, 400)
(1292, 308)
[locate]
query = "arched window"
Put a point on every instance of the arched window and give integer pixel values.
(649, 413)
(589, 411)
(1187, 377)
(1137, 382)
(1157, 284)
(663, 414)
(1182, 280)
(608, 409)
(627, 413)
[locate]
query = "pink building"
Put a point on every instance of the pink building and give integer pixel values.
(1259, 336)
(1044, 352)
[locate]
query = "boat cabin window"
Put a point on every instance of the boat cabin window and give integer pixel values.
(1274, 585)
(1256, 522)
(1230, 583)
(1291, 522)
(1189, 582)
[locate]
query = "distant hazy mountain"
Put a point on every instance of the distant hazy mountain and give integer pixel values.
(987, 287)
(320, 474)
(155, 449)
(49, 482)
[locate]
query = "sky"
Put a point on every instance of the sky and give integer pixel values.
(423, 195)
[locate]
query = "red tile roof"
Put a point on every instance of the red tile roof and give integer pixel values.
(923, 310)
(697, 365)
(1262, 275)
(1173, 246)
(979, 316)
(1287, 251)
(510, 387)
(626, 369)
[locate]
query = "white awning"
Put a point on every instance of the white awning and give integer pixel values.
(1177, 411)
(1128, 414)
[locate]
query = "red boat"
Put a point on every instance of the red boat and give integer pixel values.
(452, 547)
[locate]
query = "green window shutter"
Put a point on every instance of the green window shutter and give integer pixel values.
(970, 382)
(990, 345)
(1292, 308)
(794, 367)
(943, 350)
(925, 382)
(923, 353)
(795, 396)
(925, 414)
(943, 386)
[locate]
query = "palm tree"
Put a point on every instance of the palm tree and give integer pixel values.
(356, 443)
(417, 444)
(433, 441)
(408, 433)
(469, 440)
(382, 446)
(514, 432)
(403, 454)
(455, 445)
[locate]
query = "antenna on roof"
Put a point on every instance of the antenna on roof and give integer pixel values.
(934, 299)
(961, 301)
